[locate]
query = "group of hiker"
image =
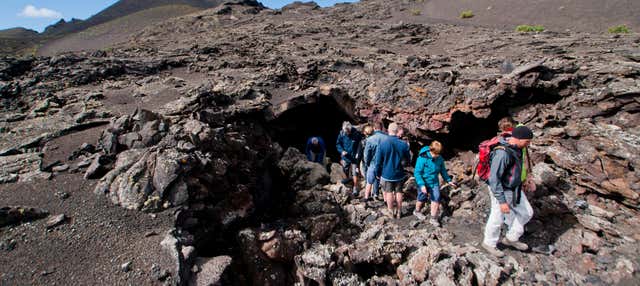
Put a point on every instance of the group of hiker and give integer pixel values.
(381, 157)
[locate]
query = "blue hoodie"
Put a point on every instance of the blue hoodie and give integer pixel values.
(391, 156)
(349, 143)
(427, 169)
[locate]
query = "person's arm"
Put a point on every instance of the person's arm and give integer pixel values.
(407, 155)
(366, 156)
(499, 165)
(443, 172)
(418, 171)
(339, 144)
(307, 149)
(323, 149)
(378, 161)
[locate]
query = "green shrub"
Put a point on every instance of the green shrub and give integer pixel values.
(620, 29)
(528, 28)
(416, 12)
(466, 14)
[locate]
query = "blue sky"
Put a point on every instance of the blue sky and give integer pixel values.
(37, 14)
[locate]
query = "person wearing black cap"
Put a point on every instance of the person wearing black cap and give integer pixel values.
(508, 204)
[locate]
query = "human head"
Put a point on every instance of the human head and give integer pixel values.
(521, 136)
(368, 130)
(393, 129)
(377, 125)
(346, 127)
(506, 124)
(315, 141)
(436, 148)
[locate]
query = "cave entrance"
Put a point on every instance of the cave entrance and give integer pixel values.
(466, 132)
(322, 118)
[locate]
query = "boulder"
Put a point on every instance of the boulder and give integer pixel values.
(314, 263)
(423, 259)
(301, 173)
(260, 269)
(214, 271)
(337, 174)
(14, 215)
(97, 168)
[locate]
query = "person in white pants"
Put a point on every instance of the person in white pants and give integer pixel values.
(509, 204)
(515, 220)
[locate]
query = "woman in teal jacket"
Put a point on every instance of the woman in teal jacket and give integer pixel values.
(428, 166)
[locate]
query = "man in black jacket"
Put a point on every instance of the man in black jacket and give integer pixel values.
(509, 205)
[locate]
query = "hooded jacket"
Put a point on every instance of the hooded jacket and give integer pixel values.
(505, 176)
(428, 168)
(349, 143)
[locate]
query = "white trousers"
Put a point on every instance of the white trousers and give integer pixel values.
(515, 220)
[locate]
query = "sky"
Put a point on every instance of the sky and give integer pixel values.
(38, 14)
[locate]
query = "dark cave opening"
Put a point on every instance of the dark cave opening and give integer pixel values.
(466, 131)
(323, 118)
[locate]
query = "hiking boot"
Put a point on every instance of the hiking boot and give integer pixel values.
(398, 214)
(345, 181)
(515, 244)
(419, 215)
(355, 191)
(434, 222)
(365, 200)
(493, 251)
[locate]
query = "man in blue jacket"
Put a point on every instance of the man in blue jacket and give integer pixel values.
(391, 156)
(370, 149)
(347, 145)
(508, 204)
(315, 150)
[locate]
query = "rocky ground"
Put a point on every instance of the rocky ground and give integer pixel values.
(189, 125)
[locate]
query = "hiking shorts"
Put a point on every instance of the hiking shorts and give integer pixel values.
(392, 187)
(434, 194)
(371, 176)
(346, 166)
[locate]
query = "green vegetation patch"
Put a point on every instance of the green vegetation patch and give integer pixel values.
(528, 28)
(466, 14)
(416, 12)
(620, 29)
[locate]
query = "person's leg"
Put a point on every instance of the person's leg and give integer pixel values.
(421, 198)
(376, 187)
(370, 178)
(354, 175)
(522, 214)
(434, 194)
(345, 171)
(388, 196)
(399, 197)
(494, 223)
(367, 191)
